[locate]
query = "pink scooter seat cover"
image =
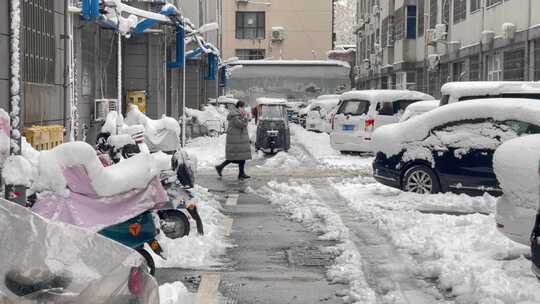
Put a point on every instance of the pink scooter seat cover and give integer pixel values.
(83, 207)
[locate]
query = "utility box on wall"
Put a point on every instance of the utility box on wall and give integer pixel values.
(138, 98)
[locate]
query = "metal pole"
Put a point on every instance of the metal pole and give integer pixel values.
(119, 76)
(67, 72)
(15, 193)
(184, 95)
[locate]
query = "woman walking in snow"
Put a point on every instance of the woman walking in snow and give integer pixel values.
(238, 148)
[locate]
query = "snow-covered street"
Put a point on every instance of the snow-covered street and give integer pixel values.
(384, 245)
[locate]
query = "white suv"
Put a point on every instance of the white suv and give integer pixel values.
(361, 112)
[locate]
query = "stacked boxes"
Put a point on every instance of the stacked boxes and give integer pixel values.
(44, 137)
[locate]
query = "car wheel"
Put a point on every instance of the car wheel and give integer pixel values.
(149, 261)
(174, 223)
(420, 179)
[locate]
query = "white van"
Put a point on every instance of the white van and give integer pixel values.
(361, 112)
(321, 108)
(465, 90)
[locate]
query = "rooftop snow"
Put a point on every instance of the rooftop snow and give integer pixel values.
(389, 139)
(385, 95)
(293, 62)
(488, 88)
(266, 100)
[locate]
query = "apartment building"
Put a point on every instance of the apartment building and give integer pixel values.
(277, 29)
(422, 44)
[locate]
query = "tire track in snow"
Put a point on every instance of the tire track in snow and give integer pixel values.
(383, 265)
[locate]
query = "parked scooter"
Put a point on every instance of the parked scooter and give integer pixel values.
(102, 199)
(161, 136)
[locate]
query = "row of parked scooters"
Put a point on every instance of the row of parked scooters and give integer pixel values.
(133, 185)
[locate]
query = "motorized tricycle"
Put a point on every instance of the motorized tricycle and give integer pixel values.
(273, 134)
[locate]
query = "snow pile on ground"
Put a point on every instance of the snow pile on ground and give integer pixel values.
(318, 145)
(194, 250)
(210, 113)
(516, 164)
(299, 201)
(175, 293)
(468, 259)
(210, 151)
(282, 160)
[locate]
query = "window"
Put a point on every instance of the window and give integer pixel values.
(537, 59)
(432, 13)
(494, 68)
(522, 128)
(446, 12)
(354, 107)
(399, 23)
(458, 71)
(272, 112)
(411, 22)
(250, 54)
(250, 25)
(384, 33)
(421, 18)
(38, 41)
(474, 68)
(514, 65)
(460, 10)
(475, 5)
(492, 2)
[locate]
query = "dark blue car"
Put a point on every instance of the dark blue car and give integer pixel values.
(446, 154)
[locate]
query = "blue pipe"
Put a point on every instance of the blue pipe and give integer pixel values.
(148, 23)
(212, 67)
(180, 49)
(90, 10)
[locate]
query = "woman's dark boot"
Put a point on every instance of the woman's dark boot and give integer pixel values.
(219, 170)
(243, 176)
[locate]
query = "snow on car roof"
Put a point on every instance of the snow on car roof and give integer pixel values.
(271, 101)
(423, 106)
(334, 96)
(377, 96)
(389, 139)
(488, 88)
(326, 102)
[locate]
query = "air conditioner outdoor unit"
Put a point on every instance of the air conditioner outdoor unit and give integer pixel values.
(431, 36)
(102, 107)
(278, 34)
(509, 30)
(488, 37)
(440, 32)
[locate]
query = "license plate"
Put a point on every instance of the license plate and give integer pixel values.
(348, 127)
(312, 126)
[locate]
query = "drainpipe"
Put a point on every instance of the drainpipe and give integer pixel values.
(119, 77)
(528, 62)
(481, 72)
(15, 193)
(67, 68)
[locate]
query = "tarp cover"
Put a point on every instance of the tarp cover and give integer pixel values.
(88, 267)
(84, 208)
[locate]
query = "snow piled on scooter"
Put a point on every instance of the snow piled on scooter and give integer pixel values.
(197, 251)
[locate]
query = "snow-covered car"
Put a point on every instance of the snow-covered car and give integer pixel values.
(292, 110)
(44, 261)
(419, 108)
(317, 118)
(302, 113)
(516, 165)
(466, 90)
(361, 112)
(451, 148)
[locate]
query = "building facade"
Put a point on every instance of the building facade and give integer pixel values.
(422, 44)
(144, 65)
(277, 29)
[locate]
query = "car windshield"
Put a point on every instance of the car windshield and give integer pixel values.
(354, 107)
(271, 112)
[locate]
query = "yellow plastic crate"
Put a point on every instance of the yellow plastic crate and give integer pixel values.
(44, 137)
